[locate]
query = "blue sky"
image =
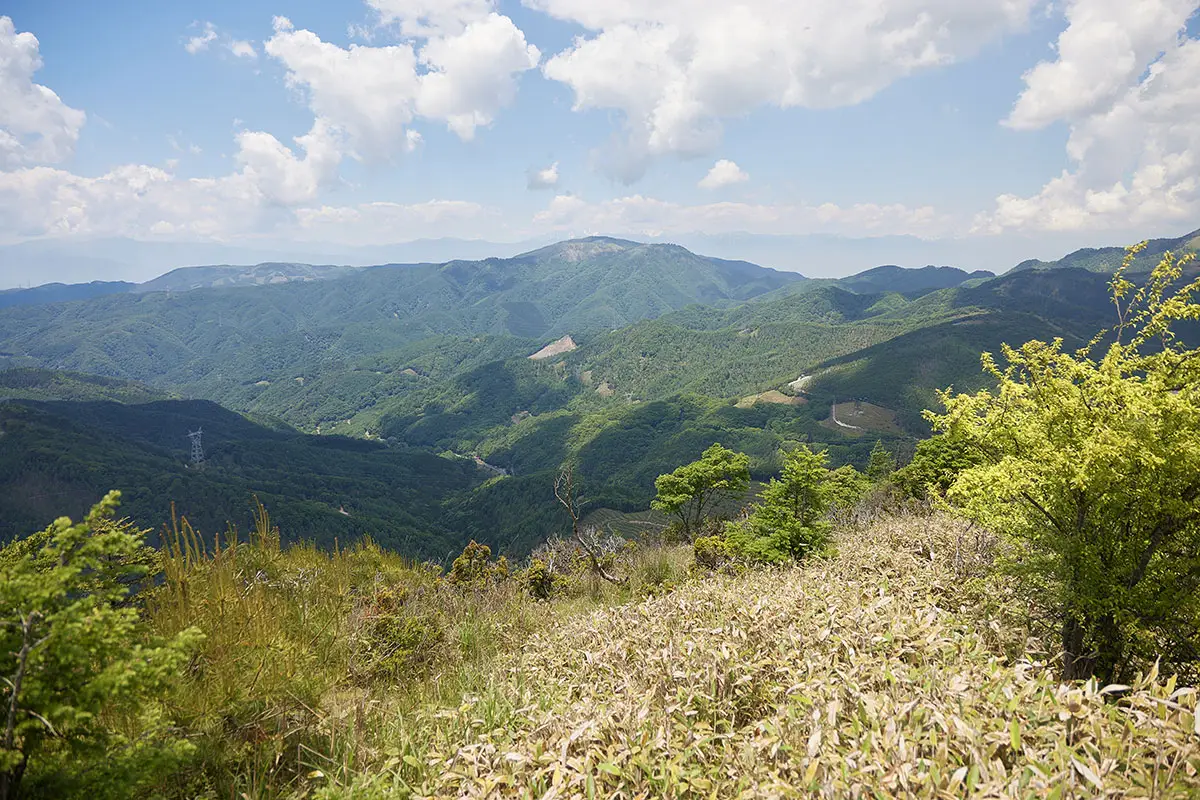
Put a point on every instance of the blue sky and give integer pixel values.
(992, 121)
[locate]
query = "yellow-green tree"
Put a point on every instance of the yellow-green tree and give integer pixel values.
(1091, 465)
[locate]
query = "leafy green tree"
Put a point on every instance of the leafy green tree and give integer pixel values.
(691, 491)
(789, 520)
(1091, 466)
(881, 463)
(72, 658)
(845, 487)
(935, 466)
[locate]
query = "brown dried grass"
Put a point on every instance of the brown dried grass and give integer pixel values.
(873, 673)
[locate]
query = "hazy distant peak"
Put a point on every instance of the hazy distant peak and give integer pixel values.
(575, 250)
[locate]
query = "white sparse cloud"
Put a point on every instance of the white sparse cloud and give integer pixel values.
(461, 76)
(546, 178)
(723, 173)
(676, 68)
(383, 223)
(36, 126)
(209, 33)
(1127, 81)
(647, 216)
(242, 48)
(200, 42)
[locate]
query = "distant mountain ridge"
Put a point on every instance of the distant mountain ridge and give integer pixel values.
(1107, 259)
(890, 278)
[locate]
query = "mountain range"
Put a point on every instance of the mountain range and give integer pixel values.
(366, 379)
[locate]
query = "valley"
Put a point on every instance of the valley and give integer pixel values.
(622, 357)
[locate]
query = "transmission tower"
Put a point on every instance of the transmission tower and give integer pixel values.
(197, 448)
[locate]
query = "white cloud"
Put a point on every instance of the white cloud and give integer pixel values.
(1134, 145)
(544, 178)
(385, 223)
(723, 173)
(200, 42)
(279, 175)
(1105, 48)
(242, 48)
(676, 68)
(461, 78)
(646, 216)
(36, 126)
(428, 18)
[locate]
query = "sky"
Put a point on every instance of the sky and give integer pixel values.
(994, 124)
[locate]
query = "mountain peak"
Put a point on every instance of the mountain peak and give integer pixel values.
(573, 250)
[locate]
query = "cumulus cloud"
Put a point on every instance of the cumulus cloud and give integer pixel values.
(1127, 81)
(676, 68)
(647, 216)
(463, 73)
(36, 126)
(723, 173)
(544, 178)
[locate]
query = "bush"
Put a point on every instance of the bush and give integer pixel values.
(474, 569)
(540, 581)
(712, 553)
(77, 675)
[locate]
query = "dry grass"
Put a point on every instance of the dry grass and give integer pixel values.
(872, 673)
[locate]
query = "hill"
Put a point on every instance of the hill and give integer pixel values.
(206, 342)
(46, 384)
(1107, 259)
(911, 281)
(185, 279)
(62, 293)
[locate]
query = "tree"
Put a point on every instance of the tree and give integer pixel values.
(881, 464)
(585, 536)
(70, 646)
(935, 466)
(845, 487)
(1091, 467)
(789, 520)
(691, 491)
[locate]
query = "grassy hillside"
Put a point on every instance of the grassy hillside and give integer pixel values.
(375, 678)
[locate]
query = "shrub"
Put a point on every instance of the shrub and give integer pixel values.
(474, 569)
(540, 580)
(712, 553)
(76, 675)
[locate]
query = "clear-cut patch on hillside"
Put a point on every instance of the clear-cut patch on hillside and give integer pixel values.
(556, 348)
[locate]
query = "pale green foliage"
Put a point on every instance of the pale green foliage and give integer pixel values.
(1091, 466)
(788, 522)
(73, 663)
(692, 490)
(864, 675)
(475, 568)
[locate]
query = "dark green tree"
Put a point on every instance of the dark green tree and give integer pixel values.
(789, 520)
